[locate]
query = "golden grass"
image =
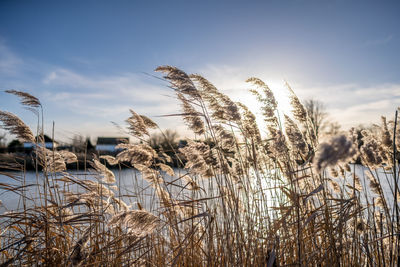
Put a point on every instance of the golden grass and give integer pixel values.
(244, 200)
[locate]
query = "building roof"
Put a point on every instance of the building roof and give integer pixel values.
(112, 140)
(47, 139)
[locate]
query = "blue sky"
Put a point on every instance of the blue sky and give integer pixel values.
(86, 59)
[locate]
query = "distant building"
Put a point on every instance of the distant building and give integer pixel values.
(108, 144)
(48, 143)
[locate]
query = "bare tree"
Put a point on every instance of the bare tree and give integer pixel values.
(332, 128)
(319, 118)
(164, 140)
(316, 112)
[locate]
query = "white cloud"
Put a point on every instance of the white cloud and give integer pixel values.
(128, 85)
(349, 104)
(353, 104)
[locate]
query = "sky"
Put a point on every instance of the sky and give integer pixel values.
(89, 62)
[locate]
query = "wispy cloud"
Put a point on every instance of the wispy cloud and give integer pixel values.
(129, 85)
(109, 98)
(379, 41)
(9, 62)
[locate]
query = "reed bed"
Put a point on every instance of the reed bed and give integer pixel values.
(286, 199)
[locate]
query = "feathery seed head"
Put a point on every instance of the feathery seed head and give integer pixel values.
(68, 156)
(26, 98)
(191, 116)
(16, 126)
(296, 138)
(137, 222)
(137, 125)
(180, 81)
(110, 159)
(386, 137)
(108, 175)
(268, 101)
(338, 149)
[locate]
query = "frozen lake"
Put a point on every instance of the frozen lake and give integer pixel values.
(133, 189)
(130, 186)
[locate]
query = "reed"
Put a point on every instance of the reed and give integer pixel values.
(287, 199)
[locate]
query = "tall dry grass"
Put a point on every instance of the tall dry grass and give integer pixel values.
(285, 200)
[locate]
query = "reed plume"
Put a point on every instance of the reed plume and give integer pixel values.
(138, 125)
(108, 175)
(136, 154)
(196, 155)
(137, 222)
(268, 101)
(16, 126)
(191, 116)
(167, 169)
(338, 149)
(51, 161)
(299, 111)
(68, 156)
(249, 125)
(110, 159)
(222, 107)
(150, 124)
(369, 149)
(26, 98)
(295, 137)
(180, 81)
